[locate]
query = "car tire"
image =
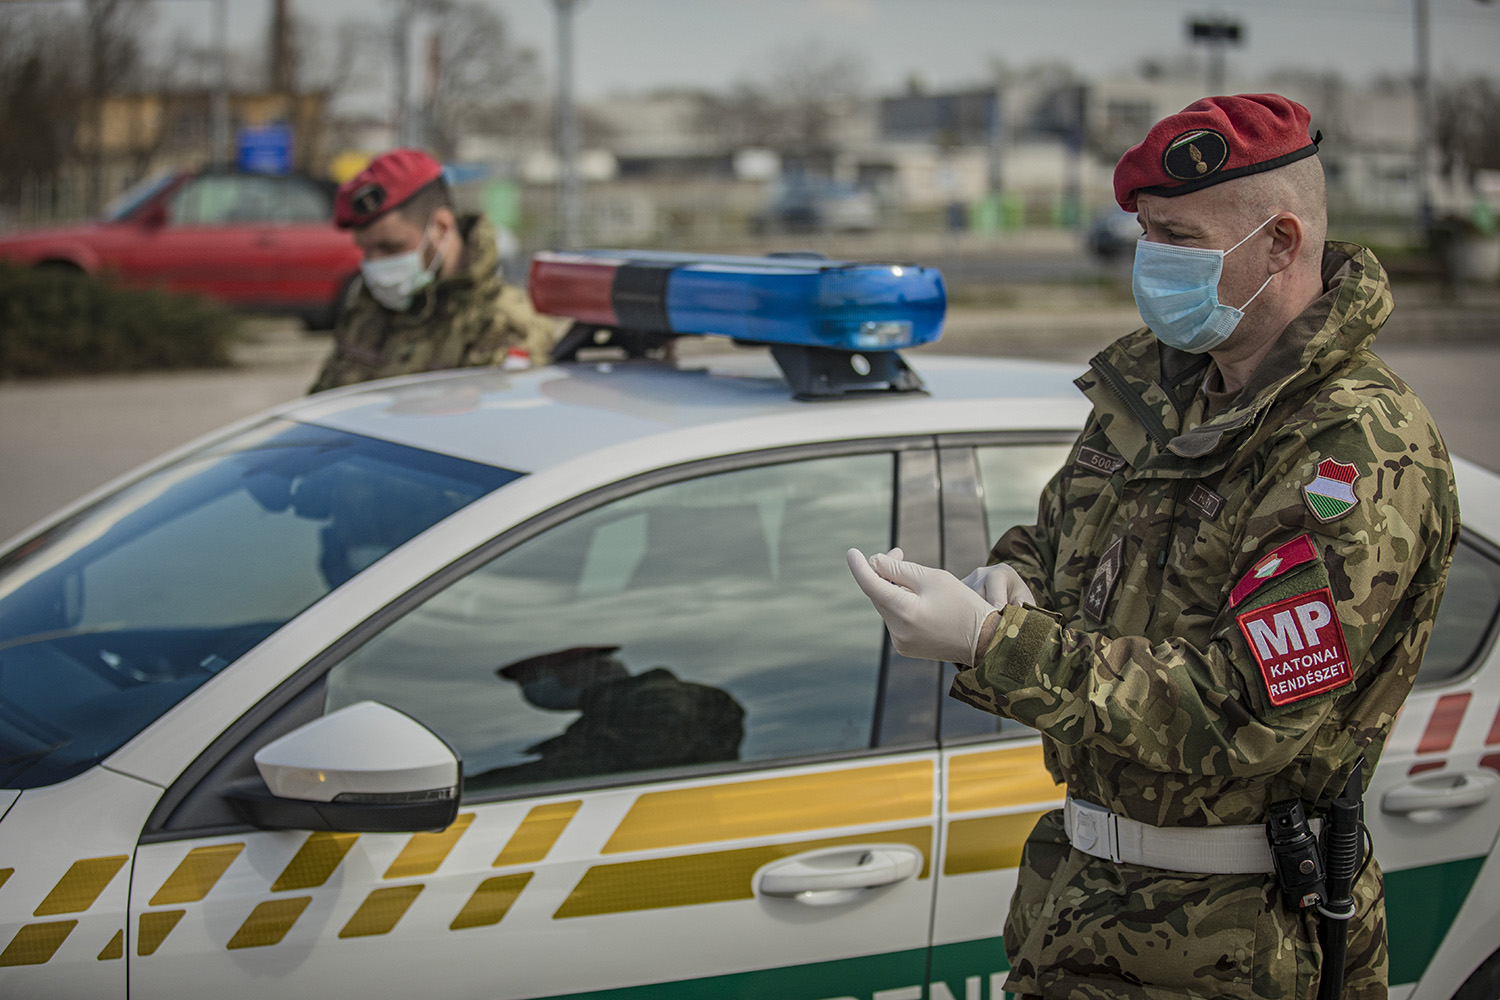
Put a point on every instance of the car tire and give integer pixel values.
(1484, 984)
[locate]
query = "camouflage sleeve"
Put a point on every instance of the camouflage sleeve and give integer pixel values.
(1211, 706)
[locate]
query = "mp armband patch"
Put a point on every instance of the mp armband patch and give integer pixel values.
(1299, 646)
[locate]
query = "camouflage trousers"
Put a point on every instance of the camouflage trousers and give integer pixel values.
(1081, 926)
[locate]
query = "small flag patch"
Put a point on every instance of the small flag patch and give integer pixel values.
(1331, 495)
(1282, 560)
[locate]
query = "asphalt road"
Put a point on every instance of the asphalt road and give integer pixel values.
(61, 438)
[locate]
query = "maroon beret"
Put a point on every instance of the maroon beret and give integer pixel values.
(387, 182)
(1211, 141)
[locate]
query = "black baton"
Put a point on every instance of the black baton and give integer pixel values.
(1341, 859)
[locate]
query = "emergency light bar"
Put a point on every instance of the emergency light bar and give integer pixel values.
(833, 326)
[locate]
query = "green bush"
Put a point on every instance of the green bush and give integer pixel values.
(57, 322)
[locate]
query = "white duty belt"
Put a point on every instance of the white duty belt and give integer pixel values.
(1202, 850)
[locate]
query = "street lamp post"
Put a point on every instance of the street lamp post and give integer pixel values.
(567, 128)
(1218, 34)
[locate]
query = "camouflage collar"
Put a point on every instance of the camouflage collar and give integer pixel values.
(1341, 322)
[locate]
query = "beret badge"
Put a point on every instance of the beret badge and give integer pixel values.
(1195, 154)
(368, 199)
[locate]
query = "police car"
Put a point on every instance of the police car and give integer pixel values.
(553, 683)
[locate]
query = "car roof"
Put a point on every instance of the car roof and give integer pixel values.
(532, 420)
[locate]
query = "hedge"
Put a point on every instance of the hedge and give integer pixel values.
(57, 322)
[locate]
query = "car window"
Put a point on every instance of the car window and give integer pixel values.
(114, 615)
(1466, 618)
(1011, 478)
(244, 199)
(696, 623)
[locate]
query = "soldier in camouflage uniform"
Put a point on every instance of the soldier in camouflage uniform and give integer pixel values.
(430, 293)
(1227, 594)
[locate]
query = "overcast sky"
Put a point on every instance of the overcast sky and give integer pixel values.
(636, 45)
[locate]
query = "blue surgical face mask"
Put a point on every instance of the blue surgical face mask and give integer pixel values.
(1177, 291)
(394, 281)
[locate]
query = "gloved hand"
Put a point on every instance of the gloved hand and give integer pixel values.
(1000, 585)
(931, 615)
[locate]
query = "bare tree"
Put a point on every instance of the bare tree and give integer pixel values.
(56, 70)
(794, 107)
(1467, 126)
(474, 70)
(39, 96)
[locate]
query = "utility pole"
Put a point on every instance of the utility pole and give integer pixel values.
(1422, 83)
(220, 112)
(1218, 33)
(400, 37)
(567, 128)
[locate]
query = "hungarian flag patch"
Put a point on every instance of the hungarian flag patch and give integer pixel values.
(1298, 552)
(1331, 495)
(1299, 646)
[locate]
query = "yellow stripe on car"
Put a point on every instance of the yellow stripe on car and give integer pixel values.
(771, 806)
(996, 779)
(115, 949)
(81, 885)
(999, 779)
(155, 926)
(491, 901)
(35, 944)
(269, 922)
(425, 851)
(199, 872)
(314, 861)
(380, 911)
(537, 833)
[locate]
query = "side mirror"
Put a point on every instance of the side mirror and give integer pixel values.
(366, 768)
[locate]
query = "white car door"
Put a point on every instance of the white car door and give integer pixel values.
(736, 794)
(1433, 806)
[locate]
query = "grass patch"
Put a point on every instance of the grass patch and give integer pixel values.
(57, 322)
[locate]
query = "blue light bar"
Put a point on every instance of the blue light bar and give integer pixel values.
(801, 301)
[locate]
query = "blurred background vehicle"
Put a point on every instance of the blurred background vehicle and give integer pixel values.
(1112, 235)
(817, 206)
(257, 241)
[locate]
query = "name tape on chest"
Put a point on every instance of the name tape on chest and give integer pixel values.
(1299, 646)
(1097, 461)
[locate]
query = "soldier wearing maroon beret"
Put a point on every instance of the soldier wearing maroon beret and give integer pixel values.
(430, 293)
(1225, 598)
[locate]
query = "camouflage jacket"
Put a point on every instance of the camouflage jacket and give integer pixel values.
(471, 318)
(1178, 564)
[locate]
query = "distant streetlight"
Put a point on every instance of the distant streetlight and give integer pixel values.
(1218, 34)
(567, 127)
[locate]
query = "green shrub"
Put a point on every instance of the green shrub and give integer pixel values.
(57, 322)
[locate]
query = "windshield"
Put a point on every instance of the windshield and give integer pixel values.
(114, 615)
(133, 197)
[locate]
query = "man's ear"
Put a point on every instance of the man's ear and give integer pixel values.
(1286, 241)
(444, 218)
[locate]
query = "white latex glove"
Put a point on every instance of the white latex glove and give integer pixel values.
(1000, 585)
(931, 615)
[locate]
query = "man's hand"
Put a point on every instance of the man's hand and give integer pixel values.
(1000, 585)
(930, 613)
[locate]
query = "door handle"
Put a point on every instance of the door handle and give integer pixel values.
(841, 874)
(1425, 801)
